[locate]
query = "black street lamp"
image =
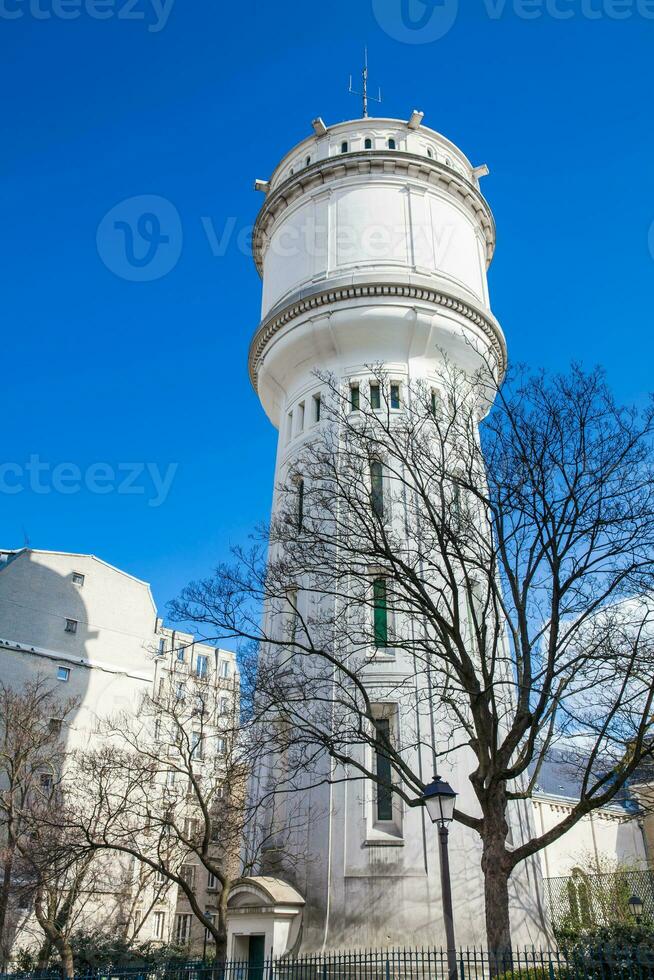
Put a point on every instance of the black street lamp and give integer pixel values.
(636, 907)
(439, 798)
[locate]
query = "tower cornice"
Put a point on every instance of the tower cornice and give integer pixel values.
(329, 297)
(365, 163)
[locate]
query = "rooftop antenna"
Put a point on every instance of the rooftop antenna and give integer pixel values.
(364, 93)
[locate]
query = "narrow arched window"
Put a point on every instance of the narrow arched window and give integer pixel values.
(307, 161)
(300, 504)
(377, 488)
(384, 770)
(368, 144)
(391, 144)
(380, 610)
(430, 153)
(344, 146)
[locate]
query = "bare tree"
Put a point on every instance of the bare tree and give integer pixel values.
(31, 719)
(168, 789)
(507, 560)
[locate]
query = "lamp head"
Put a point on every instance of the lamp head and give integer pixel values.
(439, 798)
(636, 905)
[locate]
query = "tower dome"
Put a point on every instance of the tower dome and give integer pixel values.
(374, 232)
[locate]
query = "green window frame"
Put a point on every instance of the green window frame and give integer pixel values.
(375, 397)
(380, 607)
(355, 398)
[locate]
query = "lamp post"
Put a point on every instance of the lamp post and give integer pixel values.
(636, 907)
(439, 798)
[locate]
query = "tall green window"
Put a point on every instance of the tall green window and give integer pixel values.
(375, 397)
(395, 396)
(355, 399)
(384, 771)
(377, 488)
(380, 612)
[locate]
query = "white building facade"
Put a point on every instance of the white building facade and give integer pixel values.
(92, 632)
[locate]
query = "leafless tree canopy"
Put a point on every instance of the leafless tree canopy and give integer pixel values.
(505, 559)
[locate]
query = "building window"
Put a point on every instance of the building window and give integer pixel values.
(180, 654)
(158, 925)
(375, 397)
(395, 396)
(368, 144)
(180, 691)
(291, 598)
(391, 144)
(221, 745)
(63, 673)
(187, 874)
(355, 398)
(434, 403)
(300, 504)
(162, 647)
(380, 610)
(170, 777)
(316, 408)
(71, 626)
(202, 666)
(197, 750)
(138, 915)
(224, 669)
(54, 726)
(160, 878)
(78, 579)
(430, 153)
(46, 781)
(344, 146)
(212, 881)
(289, 427)
(384, 771)
(307, 161)
(300, 418)
(377, 489)
(210, 916)
(223, 708)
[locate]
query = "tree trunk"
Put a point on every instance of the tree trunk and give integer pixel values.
(4, 905)
(496, 867)
(66, 953)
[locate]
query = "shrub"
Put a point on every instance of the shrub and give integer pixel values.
(616, 952)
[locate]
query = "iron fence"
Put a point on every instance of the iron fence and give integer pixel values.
(585, 962)
(581, 901)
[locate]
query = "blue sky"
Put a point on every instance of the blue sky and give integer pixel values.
(101, 370)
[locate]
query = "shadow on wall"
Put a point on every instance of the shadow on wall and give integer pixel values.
(42, 615)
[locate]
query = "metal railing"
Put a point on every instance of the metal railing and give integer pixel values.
(583, 962)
